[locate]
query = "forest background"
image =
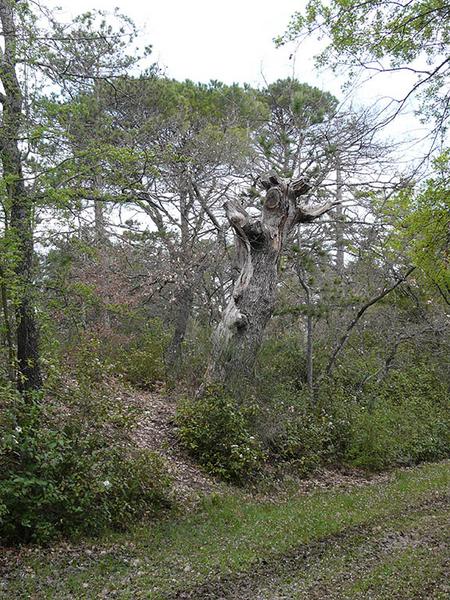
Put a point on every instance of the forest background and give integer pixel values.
(118, 261)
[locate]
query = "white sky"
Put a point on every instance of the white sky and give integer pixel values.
(230, 41)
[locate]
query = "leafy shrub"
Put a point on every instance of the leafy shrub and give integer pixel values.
(65, 469)
(393, 435)
(142, 361)
(297, 430)
(215, 432)
(406, 423)
(402, 420)
(282, 359)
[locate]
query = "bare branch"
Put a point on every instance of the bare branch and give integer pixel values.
(344, 339)
(306, 214)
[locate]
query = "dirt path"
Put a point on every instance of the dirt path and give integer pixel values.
(155, 430)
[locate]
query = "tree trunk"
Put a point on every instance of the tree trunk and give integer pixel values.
(309, 332)
(29, 374)
(99, 221)
(309, 354)
(259, 245)
(245, 318)
(7, 327)
(184, 308)
(339, 227)
(185, 296)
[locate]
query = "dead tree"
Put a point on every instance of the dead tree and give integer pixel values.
(259, 245)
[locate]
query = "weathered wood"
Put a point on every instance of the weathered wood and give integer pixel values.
(259, 245)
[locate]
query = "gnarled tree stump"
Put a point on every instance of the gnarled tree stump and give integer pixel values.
(259, 245)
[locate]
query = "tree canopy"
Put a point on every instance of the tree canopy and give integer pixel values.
(410, 36)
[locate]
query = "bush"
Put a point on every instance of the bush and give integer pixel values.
(402, 420)
(294, 429)
(65, 469)
(282, 359)
(407, 422)
(215, 432)
(142, 361)
(391, 435)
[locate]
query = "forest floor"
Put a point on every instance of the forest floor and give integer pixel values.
(338, 534)
(385, 537)
(156, 430)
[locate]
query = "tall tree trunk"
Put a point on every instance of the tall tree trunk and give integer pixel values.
(185, 297)
(244, 320)
(8, 332)
(339, 226)
(102, 315)
(259, 245)
(99, 217)
(309, 331)
(29, 374)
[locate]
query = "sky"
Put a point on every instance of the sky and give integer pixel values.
(230, 41)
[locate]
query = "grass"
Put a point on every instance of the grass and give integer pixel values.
(410, 573)
(404, 557)
(226, 536)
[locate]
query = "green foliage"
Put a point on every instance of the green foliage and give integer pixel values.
(305, 433)
(142, 361)
(215, 431)
(293, 110)
(65, 468)
(390, 432)
(379, 35)
(282, 359)
(306, 105)
(406, 423)
(421, 223)
(400, 419)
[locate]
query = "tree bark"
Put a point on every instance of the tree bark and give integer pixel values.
(259, 245)
(29, 373)
(7, 327)
(185, 296)
(309, 334)
(339, 227)
(174, 349)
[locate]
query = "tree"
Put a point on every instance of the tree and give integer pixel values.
(190, 143)
(306, 130)
(291, 133)
(420, 218)
(61, 62)
(385, 36)
(84, 59)
(259, 245)
(19, 204)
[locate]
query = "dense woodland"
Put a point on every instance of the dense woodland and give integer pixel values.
(270, 257)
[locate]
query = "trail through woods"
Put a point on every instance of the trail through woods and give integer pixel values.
(380, 538)
(400, 558)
